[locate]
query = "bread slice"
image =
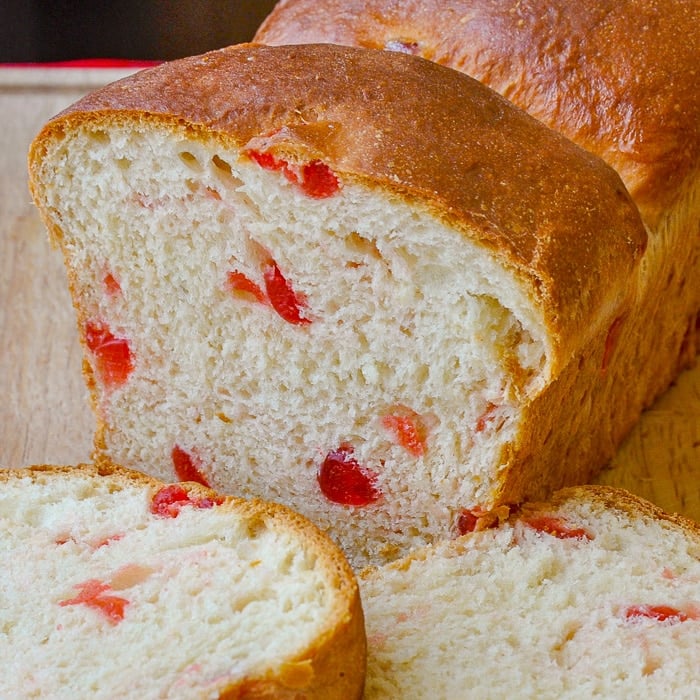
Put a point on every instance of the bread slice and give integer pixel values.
(618, 77)
(595, 594)
(115, 585)
(352, 281)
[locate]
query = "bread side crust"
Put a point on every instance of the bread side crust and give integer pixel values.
(334, 665)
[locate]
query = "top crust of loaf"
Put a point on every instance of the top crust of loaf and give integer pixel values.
(555, 214)
(333, 664)
(618, 77)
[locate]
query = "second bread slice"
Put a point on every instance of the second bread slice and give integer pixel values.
(118, 586)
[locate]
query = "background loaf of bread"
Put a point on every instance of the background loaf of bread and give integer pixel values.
(353, 281)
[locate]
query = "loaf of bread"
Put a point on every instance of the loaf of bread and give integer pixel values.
(618, 77)
(349, 280)
(596, 594)
(115, 585)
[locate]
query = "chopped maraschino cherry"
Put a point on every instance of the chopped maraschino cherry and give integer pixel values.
(92, 594)
(113, 356)
(318, 180)
(660, 613)
(112, 287)
(105, 541)
(478, 518)
(408, 430)
(169, 500)
(343, 480)
(268, 161)
(187, 467)
(467, 521)
(278, 292)
(285, 301)
(315, 178)
(486, 417)
(556, 527)
(238, 283)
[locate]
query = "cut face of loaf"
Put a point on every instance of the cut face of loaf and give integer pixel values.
(596, 594)
(336, 278)
(117, 586)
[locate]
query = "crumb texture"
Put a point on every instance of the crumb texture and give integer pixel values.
(236, 306)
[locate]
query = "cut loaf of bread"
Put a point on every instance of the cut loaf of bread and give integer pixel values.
(618, 77)
(115, 585)
(353, 281)
(593, 595)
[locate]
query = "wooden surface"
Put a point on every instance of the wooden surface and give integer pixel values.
(44, 412)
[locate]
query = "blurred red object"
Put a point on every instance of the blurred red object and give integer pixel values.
(85, 63)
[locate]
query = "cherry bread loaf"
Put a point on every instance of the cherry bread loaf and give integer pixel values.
(115, 585)
(352, 281)
(618, 77)
(594, 594)
(614, 76)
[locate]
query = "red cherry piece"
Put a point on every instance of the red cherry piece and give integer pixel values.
(113, 356)
(169, 500)
(237, 283)
(187, 466)
(315, 178)
(343, 480)
(112, 287)
(611, 341)
(108, 540)
(270, 162)
(478, 518)
(267, 160)
(660, 613)
(408, 432)
(318, 180)
(92, 594)
(556, 527)
(466, 522)
(285, 301)
(486, 417)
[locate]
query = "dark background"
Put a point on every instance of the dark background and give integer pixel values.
(60, 30)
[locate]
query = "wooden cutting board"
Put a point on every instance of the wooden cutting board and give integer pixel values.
(44, 411)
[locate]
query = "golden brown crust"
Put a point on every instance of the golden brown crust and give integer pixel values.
(333, 667)
(548, 209)
(618, 77)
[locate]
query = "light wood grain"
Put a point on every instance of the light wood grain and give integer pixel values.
(44, 412)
